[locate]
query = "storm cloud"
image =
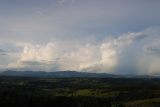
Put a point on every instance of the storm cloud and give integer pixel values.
(122, 54)
(114, 36)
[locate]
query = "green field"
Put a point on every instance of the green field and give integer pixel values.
(79, 92)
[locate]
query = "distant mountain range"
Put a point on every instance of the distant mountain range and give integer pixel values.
(55, 74)
(67, 74)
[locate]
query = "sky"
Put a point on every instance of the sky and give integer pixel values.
(111, 36)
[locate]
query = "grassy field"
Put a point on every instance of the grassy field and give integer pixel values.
(154, 102)
(79, 92)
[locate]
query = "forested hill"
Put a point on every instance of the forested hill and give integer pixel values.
(55, 74)
(67, 74)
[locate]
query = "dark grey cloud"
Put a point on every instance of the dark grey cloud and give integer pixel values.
(154, 50)
(31, 63)
(25, 21)
(2, 52)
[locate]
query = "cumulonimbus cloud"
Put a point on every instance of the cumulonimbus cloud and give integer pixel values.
(114, 54)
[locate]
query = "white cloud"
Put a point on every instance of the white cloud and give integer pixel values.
(110, 55)
(38, 56)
